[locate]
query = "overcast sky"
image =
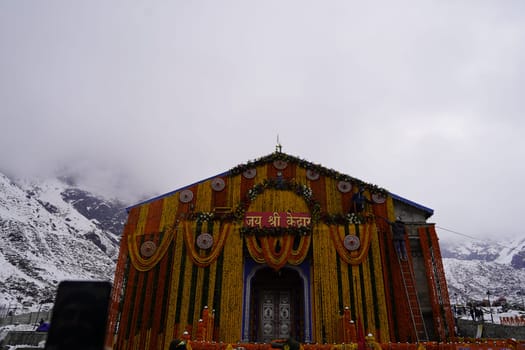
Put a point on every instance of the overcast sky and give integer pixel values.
(423, 98)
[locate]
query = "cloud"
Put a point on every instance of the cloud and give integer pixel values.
(423, 99)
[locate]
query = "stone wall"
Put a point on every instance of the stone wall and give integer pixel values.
(29, 318)
(29, 338)
(469, 329)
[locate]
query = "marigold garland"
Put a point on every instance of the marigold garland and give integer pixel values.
(281, 185)
(146, 264)
(302, 190)
(174, 287)
(306, 165)
(380, 297)
(199, 259)
(323, 261)
(369, 298)
(266, 252)
(357, 257)
(230, 324)
(275, 231)
(470, 343)
(298, 255)
(274, 258)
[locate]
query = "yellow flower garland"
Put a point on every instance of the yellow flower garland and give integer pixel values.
(174, 288)
(203, 197)
(380, 290)
(337, 234)
(218, 244)
(231, 289)
(276, 259)
(197, 312)
(265, 252)
(324, 286)
(333, 196)
(298, 255)
(229, 325)
(145, 264)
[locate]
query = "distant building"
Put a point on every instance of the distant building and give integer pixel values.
(278, 247)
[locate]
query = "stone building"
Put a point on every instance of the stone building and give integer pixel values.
(278, 247)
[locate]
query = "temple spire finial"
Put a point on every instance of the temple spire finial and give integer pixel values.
(278, 147)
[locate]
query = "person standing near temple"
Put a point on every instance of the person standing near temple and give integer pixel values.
(399, 238)
(360, 201)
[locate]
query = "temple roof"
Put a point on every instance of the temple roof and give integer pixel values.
(304, 164)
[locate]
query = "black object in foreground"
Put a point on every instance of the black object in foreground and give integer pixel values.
(79, 316)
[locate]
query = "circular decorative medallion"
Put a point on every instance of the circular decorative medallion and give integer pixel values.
(312, 174)
(204, 241)
(218, 184)
(280, 164)
(285, 329)
(352, 242)
(250, 173)
(378, 198)
(148, 248)
(186, 196)
(344, 186)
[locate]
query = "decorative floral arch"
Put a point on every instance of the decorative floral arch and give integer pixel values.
(274, 246)
(265, 250)
(283, 185)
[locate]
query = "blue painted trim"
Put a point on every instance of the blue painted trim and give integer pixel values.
(175, 191)
(429, 211)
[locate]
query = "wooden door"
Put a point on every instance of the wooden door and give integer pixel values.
(277, 306)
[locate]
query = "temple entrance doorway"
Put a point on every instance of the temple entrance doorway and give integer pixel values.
(277, 305)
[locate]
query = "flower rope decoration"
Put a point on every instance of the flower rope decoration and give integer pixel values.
(199, 257)
(239, 169)
(277, 251)
(356, 257)
(284, 185)
(204, 216)
(275, 231)
(353, 218)
(147, 263)
(348, 218)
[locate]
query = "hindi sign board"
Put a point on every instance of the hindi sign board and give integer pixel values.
(277, 219)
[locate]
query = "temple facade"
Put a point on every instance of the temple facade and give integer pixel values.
(275, 248)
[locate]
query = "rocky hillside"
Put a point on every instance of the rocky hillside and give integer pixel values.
(473, 268)
(51, 231)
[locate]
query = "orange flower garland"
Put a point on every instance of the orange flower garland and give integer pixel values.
(262, 248)
(198, 258)
(324, 286)
(298, 255)
(229, 324)
(266, 252)
(276, 259)
(357, 257)
(375, 255)
(146, 264)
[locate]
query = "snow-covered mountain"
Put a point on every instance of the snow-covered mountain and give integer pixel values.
(473, 268)
(51, 231)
